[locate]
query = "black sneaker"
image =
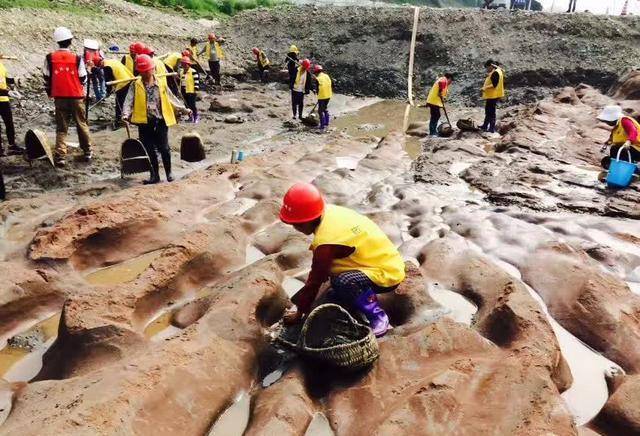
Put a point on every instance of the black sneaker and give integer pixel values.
(88, 156)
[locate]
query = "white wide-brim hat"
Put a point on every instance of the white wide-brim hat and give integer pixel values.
(610, 113)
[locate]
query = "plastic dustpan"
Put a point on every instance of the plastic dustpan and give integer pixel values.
(620, 171)
(133, 157)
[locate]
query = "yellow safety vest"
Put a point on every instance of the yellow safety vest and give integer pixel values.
(187, 81)
(218, 48)
(374, 255)
(434, 95)
(139, 115)
(129, 63)
(263, 59)
(299, 83)
(493, 92)
(325, 90)
(120, 72)
(161, 68)
(194, 52)
(172, 60)
(3, 83)
(619, 136)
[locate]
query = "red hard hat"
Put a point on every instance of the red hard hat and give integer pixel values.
(255, 51)
(186, 52)
(306, 64)
(136, 48)
(318, 69)
(144, 63)
(212, 36)
(148, 50)
(185, 60)
(302, 203)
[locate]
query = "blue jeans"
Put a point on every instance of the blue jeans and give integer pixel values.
(98, 83)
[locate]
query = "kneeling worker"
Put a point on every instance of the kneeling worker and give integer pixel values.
(435, 100)
(349, 249)
(152, 107)
(625, 133)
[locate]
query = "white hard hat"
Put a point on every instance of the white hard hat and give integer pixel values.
(610, 113)
(91, 44)
(62, 34)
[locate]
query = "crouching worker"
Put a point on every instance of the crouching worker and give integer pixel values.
(262, 62)
(152, 107)
(189, 85)
(625, 133)
(349, 249)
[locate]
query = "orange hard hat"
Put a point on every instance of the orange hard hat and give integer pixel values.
(144, 63)
(185, 60)
(318, 69)
(302, 203)
(306, 64)
(136, 48)
(212, 37)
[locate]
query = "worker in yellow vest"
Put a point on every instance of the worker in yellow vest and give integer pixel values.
(172, 62)
(262, 62)
(189, 85)
(6, 113)
(492, 92)
(151, 105)
(114, 70)
(324, 89)
(214, 54)
(436, 99)
(349, 249)
(301, 87)
(625, 134)
(129, 60)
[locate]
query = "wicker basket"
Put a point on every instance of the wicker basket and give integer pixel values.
(330, 334)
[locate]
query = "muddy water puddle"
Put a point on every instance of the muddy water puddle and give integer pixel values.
(122, 272)
(234, 420)
(21, 359)
(380, 118)
(458, 307)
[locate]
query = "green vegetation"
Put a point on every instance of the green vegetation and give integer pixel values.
(73, 6)
(209, 7)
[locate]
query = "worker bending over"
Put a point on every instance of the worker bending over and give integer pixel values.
(324, 89)
(172, 62)
(93, 58)
(436, 99)
(214, 54)
(492, 92)
(152, 107)
(114, 70)
(65, 75)
(189, 85)
(301, 87)
(6, 113)
(349, 249)
(262, 62)
(625, 133)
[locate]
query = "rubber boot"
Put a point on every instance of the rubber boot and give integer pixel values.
(367, 303)
(326, 120)
(166, 163)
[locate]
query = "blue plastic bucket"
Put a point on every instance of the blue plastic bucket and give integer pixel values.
(620, 171)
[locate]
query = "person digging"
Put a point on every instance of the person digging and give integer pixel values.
(324, 88)
(349, 250)
(151, 106)
(625, 133)
(436, 99)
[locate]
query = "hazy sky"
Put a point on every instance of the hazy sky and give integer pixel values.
(596, 6)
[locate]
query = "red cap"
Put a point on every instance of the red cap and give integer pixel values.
(144, 63)
(318, 69)
(136, 48)
(306, 64)
(302, 203)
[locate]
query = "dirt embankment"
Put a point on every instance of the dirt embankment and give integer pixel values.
(367, 49)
